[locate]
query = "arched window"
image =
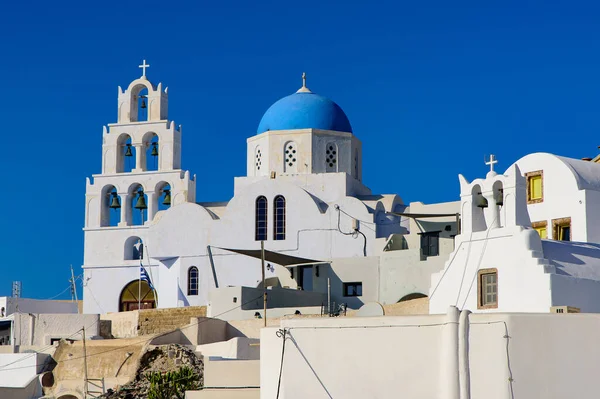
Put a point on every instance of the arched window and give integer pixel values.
(193, 280)
(261, 219)
(279, 218)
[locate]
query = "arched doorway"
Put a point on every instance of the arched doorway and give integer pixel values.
(135, 297)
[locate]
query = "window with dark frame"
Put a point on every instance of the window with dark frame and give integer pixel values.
(488, 289)
(279, 218)
(561, 229)
(430, 243)
(260, 233)
(193, 280)
(352, 289)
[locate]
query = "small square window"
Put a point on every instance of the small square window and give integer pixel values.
(561, 229)
(535, 187)
(487, 289)
(352, 289)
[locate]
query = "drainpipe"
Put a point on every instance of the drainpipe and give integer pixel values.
(449, 387)
(463, 355)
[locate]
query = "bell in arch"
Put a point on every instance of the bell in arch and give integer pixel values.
(128, 152)
(500, 197)
(167, 200)
(481, 201)
(114, 201)
(143, 106)
(154, 152)
(141, 201)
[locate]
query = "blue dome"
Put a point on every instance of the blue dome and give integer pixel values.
(304, 110)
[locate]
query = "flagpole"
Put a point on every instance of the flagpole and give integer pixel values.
(262, 261)
(140, 276)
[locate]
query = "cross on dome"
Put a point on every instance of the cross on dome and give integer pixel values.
(491, 162)
(144, 66)
(303, 89)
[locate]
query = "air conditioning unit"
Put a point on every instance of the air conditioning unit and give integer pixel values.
(564, 309)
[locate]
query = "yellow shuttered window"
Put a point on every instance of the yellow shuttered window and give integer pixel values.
(535, 187)
(542, 232)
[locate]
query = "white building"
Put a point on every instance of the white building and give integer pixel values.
(500, 264)
(303, 196)
(563, 195)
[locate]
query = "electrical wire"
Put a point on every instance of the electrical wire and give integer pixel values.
(355, 233)
(56, 296)
(281, 333)
(485, 243)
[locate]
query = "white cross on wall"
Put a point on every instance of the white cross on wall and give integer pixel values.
(492, 162)
(144, 66)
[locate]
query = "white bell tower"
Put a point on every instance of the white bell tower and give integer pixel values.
(141, 175)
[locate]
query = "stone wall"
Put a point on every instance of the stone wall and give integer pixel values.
(156, 321)
(150, 321)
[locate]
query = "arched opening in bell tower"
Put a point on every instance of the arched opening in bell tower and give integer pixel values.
(126, 158)
(151, 145)
(138, 204)
(163, 194)
(110, 213)
(142, 105)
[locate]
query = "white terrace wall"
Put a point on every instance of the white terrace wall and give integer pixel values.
(26, 305)
(515, 355)
(39, 329)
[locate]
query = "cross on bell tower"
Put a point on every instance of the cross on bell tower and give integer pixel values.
(143, 67)
(491, 163)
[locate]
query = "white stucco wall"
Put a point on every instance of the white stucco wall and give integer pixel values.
(506, 355)
(39, 329)
(18, 370)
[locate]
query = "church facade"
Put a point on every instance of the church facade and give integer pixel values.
(303, 196)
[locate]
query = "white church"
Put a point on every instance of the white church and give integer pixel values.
(526, 240)
(303, 196)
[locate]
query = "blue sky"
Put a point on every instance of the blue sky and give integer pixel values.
(430, 88)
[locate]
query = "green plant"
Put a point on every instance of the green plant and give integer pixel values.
(172, 384)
